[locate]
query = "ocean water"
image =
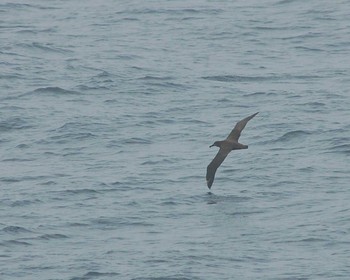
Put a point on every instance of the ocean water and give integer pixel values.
(107, 111)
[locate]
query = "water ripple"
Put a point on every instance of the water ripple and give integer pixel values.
(97, 275)
(14, 123)
(292, 135)
(238, 78)
(15, 229)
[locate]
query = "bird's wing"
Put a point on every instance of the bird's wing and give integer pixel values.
(215, 163)
(236, 131)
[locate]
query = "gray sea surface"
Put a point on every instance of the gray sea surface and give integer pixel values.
(107, 111)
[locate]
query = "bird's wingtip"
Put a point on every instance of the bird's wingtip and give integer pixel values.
(209, 184)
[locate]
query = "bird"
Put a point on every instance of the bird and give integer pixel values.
(226, 146)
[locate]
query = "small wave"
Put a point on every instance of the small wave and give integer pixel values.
(237, 78)
(16, 5)
(261, 93)
(313, 239)
(82, 191)
(75, 126)
(77, 224)
(304, 240)
(22, 146)
(136, 140)
(310, 49)
(13, 124)
(15, 229)
(169, 203)
(153, 122)
(163, 278)
(167, 84)
(190, 178)
(61, 139)
(104, 74)
(154, 78)
(179, 11)
(25, 202)
(155, 162)
(53, 236)
(48, 183)
(49, 91)
(21, 179)
(163, 81)
(55, 90)
(293, 135)
(342, 149)
(95, 87)
(7, 77)
(268, 28)
(17, 160)
(211, 198)
(26, 31)
(315, 104)
(247, 213)
(95, 275)
(20, 6)
(71, 131)
(10, 179)
(15, 243)
(307, 169)
(44, 47)
(282, 2)
(117, 222)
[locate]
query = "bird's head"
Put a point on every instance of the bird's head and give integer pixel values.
(216, 143)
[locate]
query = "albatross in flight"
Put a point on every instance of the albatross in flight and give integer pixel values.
(226, 146)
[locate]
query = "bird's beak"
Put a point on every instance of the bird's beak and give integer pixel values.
(211, 146)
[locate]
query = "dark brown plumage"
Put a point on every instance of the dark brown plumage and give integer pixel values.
(226, 146)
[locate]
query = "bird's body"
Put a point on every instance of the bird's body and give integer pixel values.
(226, 146)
